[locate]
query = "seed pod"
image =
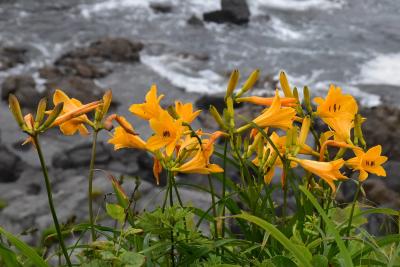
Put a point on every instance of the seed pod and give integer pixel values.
(15, 109)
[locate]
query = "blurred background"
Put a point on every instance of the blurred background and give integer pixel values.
(188, 48)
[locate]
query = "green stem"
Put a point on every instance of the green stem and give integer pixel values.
(213, 204)
(171, 203)
(50, 199)
(224, 188)
(352, 210)
(90, 187)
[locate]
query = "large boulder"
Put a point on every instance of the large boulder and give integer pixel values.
(112, 49)
(232, 11)
(381, 127)
(24, 88)
(85, 90)
(11, 56)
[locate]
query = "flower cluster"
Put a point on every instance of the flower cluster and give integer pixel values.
(174, 145)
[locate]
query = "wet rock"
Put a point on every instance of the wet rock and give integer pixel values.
(33, 189)
(195, 21)
(112, 49)
(82, 68)
(232, 11)
(11, 56)
(378, 193)
(19, 147)
(381, 127)
(161, 7)
(83, 89)
(79, 156)
(23, 87)
(11, 165)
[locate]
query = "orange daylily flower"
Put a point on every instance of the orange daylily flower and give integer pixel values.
(123, 137)
(151, 108)
(267, 101)
(167, 133)
(185, 111)
(368, 162)
(70, 126)
(337, 111)
(328, 171)
(276, 116)
(200, 163)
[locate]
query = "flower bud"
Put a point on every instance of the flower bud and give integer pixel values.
(217, 117)
(230, 112)
(305, 128)
(285, 84)
(233, 80)
(250, 82)
(41, 110)
(358, 120)
(52, 117)
(307, 99)
(15, 109)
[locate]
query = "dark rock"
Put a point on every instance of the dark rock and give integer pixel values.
(112, 49)
(238, 8)
(33, 189)
(19, 147)
(232, 11)
(161, 7)
(79, 156)
(82, 68)
(381, 127)
(11, 56)
(195, 21)
(23, 87)
(11, 165)
(83, 89)
(205, 101)
(378, 193)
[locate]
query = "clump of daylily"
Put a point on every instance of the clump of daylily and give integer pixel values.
(277, 140)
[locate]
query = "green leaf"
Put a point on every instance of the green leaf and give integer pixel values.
(132, 259)
(345, 255)
(298, 252)
(116, 212)
(340, 216)
(282, 261)
(319, 261)
(8, 256)
(29, 252)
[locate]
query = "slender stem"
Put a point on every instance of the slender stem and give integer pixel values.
(50, 199)
(90, 187)
(165, 199)
(213, 205)
(224, 188)
(171, 203)
(352, 210)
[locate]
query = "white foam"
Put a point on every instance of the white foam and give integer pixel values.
(108, 5)
(177, 71)
(295, 5)
(284, 31)
(383, 69)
